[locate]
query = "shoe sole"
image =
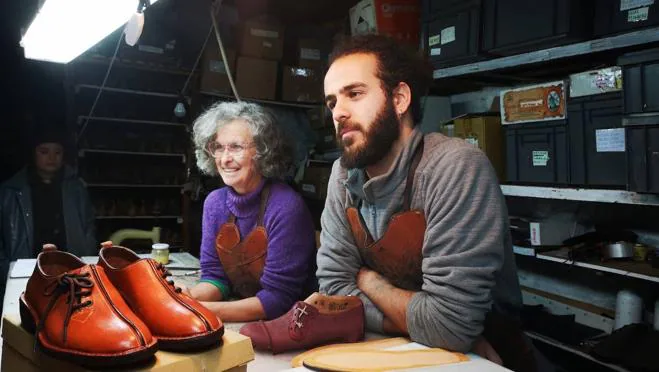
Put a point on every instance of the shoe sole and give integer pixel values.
(87, 360)
(356, 360)
(206, 341)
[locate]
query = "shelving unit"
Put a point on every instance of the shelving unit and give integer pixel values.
(474, 86)
(586, 195)
(133, 151)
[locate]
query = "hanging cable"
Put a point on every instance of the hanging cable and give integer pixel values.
(100, 89)
(201, 52)
(224, 55)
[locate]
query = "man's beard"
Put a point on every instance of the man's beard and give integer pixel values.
(378, 140)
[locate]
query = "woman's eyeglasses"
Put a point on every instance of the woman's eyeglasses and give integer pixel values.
(216, 149)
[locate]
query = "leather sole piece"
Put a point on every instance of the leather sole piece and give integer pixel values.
(205, 341)
(366, 345)
(347, 360)
(28, 323)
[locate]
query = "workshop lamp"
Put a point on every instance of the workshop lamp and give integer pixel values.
(64, 29)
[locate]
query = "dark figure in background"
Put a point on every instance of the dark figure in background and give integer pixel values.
(45, 202)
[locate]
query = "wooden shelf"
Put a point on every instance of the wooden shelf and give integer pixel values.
(137, 65)
(267, 102)
(179, 219)
(560, 345)
(127, 91)
(82, 118)
(552, 54)
(633, 269)
(577, 194)
(83, 152)
(127, 186)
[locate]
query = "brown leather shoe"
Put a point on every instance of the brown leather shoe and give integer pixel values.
(78, 315)
(178, 321)
(315, 321)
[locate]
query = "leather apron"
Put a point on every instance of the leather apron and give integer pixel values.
(243, 261)
(398, 256)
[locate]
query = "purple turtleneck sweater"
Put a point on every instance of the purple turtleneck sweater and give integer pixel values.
(290, 260)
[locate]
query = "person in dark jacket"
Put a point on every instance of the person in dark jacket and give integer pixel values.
(44, 203)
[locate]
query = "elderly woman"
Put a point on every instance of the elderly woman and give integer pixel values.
(258, 239)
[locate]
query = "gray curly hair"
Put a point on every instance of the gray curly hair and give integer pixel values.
(273, 156)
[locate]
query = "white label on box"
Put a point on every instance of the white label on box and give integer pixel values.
(540, 158)
(533, 103)
(264, 33)
(631, 4)
(434, 40)
(448, 35)
(534, 228)
(638, 15)
(267, 44)
(362, 18)
(472, 141)
(610, 140)
(307, 53)
(217, 66)
(150, 49)
(309, 188)
(435, 51)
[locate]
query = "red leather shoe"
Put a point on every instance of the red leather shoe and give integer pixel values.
(76, 314)
(315, 321)
(178, 321)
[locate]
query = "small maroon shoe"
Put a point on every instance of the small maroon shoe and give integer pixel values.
(318, 320)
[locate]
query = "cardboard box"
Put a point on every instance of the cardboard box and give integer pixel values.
(596, 82)
(326, 139)
(301, 84)
(319, 117)
(535, 103)
(310, 53)
(484, 131)
(448, 129)
(396, 18)
(315, 180)
(18, 354)
(263, 37)
(214, 77)
(256, 78)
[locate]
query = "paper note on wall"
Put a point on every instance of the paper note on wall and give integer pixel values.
(610, 140)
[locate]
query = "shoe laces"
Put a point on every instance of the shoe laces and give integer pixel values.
(77, 286)
(165, 274)
(298, 315)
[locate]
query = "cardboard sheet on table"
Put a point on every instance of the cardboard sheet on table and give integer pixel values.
(23, 268)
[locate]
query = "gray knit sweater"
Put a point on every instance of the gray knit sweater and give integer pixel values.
(468, 263)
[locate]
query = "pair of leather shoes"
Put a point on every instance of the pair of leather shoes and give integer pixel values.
(117, 312)
(318, 320)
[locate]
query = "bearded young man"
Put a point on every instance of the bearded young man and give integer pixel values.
(415, 225)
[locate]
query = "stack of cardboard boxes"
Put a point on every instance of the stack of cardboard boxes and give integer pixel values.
(259, 68)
